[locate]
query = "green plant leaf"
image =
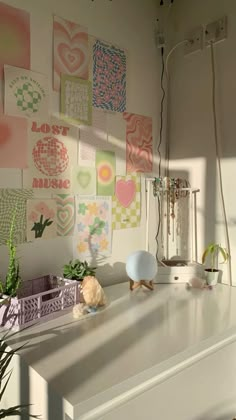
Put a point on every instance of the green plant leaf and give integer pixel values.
(17, 410)
(213, 250)
(77, 270)
(224, 254)
(204, 255)
(5, 375)
(8, 375)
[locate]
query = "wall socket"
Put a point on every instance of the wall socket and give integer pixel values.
(216, 31)
(194, 40)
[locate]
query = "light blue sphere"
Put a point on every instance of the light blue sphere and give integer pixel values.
(141, 265)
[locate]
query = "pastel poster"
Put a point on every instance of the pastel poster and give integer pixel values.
(52, 153)
(41, 219)
(76, 100)
(109, 77)
(26, 93)
(93, 227)
(84, 180)
(126, 203)
(14, 37)
(13, 141)
(93, 137)
(106, 170)
(139, 143)
(65, 214)
(9, 199)
(71, 50)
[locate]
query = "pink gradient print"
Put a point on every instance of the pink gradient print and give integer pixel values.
(139, 154)
(71, 52)
(14, 37)
(13, 141)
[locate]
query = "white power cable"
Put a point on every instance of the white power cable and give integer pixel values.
(171, 51)
(218, 156)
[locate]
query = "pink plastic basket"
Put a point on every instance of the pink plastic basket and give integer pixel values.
(38, 299)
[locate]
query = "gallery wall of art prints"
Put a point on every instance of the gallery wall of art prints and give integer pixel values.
(80, 169)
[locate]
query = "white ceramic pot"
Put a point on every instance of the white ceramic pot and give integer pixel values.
(211, 276)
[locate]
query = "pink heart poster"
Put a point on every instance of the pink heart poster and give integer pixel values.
(71, 51)
(125, 191)
(126, 203)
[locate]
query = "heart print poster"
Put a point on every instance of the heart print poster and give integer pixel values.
(71, 52)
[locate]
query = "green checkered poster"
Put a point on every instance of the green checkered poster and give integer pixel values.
(26, 93)
(126, 203)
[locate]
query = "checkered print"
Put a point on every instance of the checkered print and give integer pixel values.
(127, 217)
(27, 98)
(9, 199)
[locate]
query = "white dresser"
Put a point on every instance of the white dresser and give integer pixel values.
(162, 355)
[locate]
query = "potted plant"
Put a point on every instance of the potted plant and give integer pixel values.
(77, 270)
(213, 250)
(13, 280)
(22, 304)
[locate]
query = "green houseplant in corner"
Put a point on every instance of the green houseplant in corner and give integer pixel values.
(213, 251)
(13, 279)
(77, 270)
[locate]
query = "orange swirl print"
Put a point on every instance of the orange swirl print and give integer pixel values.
(139, 143)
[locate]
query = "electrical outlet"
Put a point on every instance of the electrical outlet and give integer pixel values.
(216, 31)
(194, 40)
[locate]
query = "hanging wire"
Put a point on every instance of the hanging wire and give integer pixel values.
(159, 151)
(218, 156)
(158, 227)
(171, 52)
(162, 110)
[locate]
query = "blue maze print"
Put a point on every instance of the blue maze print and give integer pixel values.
(109, 77)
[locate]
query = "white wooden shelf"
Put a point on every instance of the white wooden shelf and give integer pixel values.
(140, 341)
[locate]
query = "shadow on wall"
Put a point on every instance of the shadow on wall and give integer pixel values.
(108, 274)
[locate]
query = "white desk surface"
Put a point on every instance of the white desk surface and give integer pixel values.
(138, 340)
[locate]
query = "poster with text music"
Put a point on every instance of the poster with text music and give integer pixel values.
(52, 153)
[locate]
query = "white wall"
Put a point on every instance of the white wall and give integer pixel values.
(129, 24)
(191, 127)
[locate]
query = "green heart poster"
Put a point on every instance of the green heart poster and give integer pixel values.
(84, 180)
(65, 214)
(106, 170)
